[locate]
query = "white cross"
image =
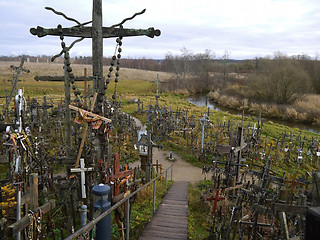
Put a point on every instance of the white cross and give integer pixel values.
(82, 171)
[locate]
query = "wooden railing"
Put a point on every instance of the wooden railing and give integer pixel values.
(91, 224)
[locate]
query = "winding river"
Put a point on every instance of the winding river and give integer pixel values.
(202, 100)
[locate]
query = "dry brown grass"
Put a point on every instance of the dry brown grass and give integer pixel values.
(305, 110)
(55, 90)
(309, 102)
(56, 69)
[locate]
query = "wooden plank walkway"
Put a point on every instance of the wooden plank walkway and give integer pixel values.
(171, 218)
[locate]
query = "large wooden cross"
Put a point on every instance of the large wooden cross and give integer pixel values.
(118, 175)
(97, 33)
(91, 116)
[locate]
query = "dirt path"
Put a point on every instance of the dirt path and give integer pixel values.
(182, 171)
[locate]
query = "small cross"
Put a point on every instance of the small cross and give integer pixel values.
(216, 198)
(82, 171)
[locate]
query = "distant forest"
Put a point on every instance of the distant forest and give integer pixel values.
(141, 63)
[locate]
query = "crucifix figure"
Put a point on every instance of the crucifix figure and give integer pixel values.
(82, 171)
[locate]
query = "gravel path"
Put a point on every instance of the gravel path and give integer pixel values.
(182, 171)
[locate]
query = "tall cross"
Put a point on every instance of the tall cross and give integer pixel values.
(157, 93)
(82, 171)
(88, 116)
(203, 121)
(18, 70)
(97, 33)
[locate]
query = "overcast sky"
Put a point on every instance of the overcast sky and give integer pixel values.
(245, 28)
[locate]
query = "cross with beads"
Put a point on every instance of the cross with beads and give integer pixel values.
(97, 33)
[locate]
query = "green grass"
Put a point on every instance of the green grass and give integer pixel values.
(199, 213)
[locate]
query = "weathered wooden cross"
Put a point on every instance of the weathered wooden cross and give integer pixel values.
(215, 198)
(97, 33)
(118, 175)
(18, 70)
(16, 228)
(91, 117)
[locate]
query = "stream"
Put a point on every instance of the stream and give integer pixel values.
(203, 101)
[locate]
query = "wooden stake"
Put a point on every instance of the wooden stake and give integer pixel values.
(84, 134)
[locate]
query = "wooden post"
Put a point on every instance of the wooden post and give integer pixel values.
(25, 221)
(84, 134)
(97, 50)
(34, 191)
(66, 107)
(284, 225)
(85, 81)
(85, 86)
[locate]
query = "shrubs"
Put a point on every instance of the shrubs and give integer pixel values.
(285, 112)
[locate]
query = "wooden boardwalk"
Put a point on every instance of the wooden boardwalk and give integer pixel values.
(171, 218)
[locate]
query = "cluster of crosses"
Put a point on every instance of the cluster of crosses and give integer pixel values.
(96, 112)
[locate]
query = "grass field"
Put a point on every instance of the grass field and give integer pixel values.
(55, 90)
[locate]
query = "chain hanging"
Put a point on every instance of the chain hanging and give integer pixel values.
(115, 58)
(67, 63)
(32, 220)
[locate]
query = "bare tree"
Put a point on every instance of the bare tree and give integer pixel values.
(285, 82)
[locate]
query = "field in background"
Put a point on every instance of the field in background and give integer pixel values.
(55, 90)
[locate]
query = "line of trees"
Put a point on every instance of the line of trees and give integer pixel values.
(280, 79)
